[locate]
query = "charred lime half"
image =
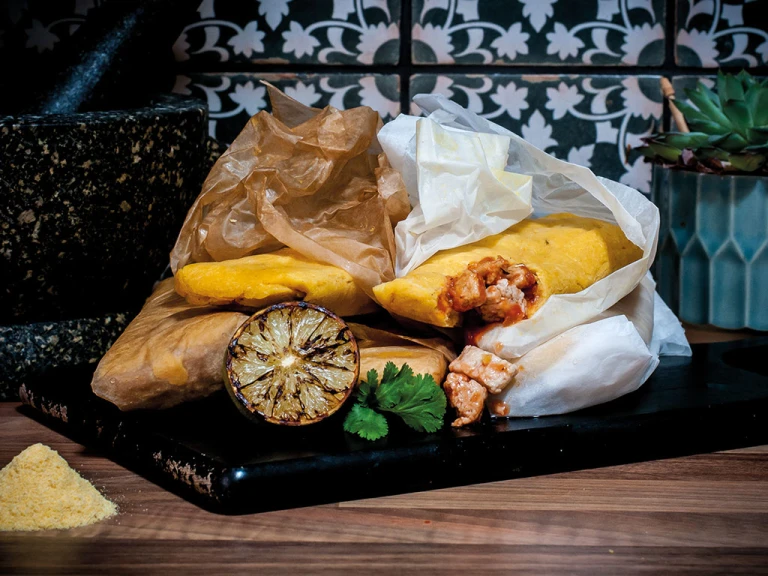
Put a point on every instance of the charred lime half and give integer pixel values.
(293, 363)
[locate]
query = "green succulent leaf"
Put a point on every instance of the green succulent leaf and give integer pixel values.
(708, 127)
(711, 152)
(746, 79)
(757, 102)
(691, 114)
(739, 115)
(682, 139)
(729, 88)
(710, 94)
(732, 142)
(707, 107)
(668, 153)
(747, 162)
(757, 137)
(646, 152)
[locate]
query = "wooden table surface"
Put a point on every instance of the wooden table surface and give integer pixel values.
(705, 514)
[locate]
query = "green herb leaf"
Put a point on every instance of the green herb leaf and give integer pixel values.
(366, 423)
(418, 400)
(390, 372)
(366, 387)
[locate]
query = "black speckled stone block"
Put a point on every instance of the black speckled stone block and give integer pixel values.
(92, 203)
(27, 349)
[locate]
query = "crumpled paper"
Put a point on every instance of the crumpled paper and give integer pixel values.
(313, 180)
(608, 357)
(172, 352)
(557, 186)
(579, 349)
(457, 185)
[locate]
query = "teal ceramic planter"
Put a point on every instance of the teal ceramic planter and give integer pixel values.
(712, 262)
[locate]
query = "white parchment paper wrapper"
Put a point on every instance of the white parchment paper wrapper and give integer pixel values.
(557, 186)
(612, 355)
(457, 184)
(579, 349)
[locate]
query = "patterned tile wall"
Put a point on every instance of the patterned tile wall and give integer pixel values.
(589, 120)
(381, 52)
(712, 33)
(552, 32)
(234, 97)
(292, 31)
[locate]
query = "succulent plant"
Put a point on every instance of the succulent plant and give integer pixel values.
(729, 128)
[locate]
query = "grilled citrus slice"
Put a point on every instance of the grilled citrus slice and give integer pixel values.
(292, 363)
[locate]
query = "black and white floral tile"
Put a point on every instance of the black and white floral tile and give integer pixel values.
(35, 27)
(241, 31)
(712, 33)
(588, 120)
(552, 32)
(293, 31)
(234, 97)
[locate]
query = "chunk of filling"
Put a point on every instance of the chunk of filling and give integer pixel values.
(472, 376)
(466, 396)
(491, 371)
(498, 290)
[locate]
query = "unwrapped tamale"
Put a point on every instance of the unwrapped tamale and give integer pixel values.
(509, 276)
(265, 279)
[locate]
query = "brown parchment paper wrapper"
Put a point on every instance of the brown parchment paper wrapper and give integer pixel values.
(173, 352)
(170, 353)
(313, 180)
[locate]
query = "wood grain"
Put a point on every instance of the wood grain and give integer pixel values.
(705, 514)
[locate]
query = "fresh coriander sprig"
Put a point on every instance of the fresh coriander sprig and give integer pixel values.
(417, 399)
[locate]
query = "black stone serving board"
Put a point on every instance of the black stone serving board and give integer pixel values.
(208, 453)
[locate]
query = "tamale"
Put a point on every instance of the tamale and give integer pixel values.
(265, 279)
(565, 253)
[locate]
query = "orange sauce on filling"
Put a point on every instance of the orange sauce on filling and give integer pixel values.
(513, 315)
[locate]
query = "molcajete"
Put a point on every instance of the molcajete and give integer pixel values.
(92, 203)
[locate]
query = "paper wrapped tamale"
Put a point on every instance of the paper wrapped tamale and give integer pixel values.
(423, 355)
(170, 353)
(266, 279)
(173, 352)
(507, 277)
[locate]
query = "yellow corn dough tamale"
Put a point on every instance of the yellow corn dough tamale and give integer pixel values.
(566, 254)
(421, 359)
(265, 279)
